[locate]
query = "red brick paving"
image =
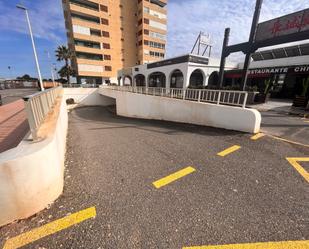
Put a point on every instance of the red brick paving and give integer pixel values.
(13, 125)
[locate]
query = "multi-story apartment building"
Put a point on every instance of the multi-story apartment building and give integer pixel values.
(108, 35)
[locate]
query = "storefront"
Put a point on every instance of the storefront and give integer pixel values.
(286, 81)
(285, 69)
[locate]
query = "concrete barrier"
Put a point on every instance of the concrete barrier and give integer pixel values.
(31, 175)
(161, 108)
(87, 97)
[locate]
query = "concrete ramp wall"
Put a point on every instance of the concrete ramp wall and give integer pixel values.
(87, 97)
(31, 175)
(161, 108)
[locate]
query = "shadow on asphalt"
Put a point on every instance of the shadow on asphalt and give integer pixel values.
(106, 116)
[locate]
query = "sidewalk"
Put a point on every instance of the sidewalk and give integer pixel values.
(280, 106)
(280, 119)
(13, 125)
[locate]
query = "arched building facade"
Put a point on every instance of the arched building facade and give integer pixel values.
(187, 71)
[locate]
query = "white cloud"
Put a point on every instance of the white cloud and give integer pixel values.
(46, 18)
(188, 17)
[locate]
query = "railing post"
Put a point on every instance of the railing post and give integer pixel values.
(184, 94)
(199, 96)
(245, 100)
(219, 97)
(161, 92)
(31, 119)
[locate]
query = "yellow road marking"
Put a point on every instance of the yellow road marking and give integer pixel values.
(50, 228)
(296, 165)
(288, 141)
(173, 177)
(302, 244)
(229, 150)
(257, 136)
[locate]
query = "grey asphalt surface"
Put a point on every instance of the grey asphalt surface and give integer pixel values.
(11, 95)
(286, 126)
(252, 195)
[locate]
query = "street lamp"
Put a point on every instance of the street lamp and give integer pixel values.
(33, 45)
(51, 67)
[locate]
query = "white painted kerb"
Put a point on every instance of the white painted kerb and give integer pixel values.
(161, 108)
(31, 175)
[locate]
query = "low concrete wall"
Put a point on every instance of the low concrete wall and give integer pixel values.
(87, 97)
(31, 175)
(152, 107)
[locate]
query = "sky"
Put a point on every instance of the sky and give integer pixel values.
(186, 18)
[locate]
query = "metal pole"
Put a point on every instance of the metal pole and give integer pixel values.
(51, 68)
(33, 46)
(254, 26)
(223, 56)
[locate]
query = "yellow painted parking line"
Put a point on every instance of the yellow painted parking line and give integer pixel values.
(301, 244)
(50, 228)
(288, 141)
(229, 150)
(295, 163)
(173, 177)
(257, 136)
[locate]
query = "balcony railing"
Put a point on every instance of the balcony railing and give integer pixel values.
(219, 97)
(85, 4)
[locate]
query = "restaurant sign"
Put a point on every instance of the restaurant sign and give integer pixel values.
(279, 70)
(286, 25)
(267, 72)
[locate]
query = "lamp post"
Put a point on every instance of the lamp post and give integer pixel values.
(51, 67)
(33, 45)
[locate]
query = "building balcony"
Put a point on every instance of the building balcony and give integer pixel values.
(85, 4)
(159, 3)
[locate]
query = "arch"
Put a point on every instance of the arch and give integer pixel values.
(197, 79)
(213, 79)
(140, 80)
(127, 80)
(176, 79)
(157, 79)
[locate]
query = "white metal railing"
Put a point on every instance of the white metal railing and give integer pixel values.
(219, 97)
(80, 85)
(37, 107)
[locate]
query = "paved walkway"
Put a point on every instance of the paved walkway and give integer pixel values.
(13, 125)
(164, 185)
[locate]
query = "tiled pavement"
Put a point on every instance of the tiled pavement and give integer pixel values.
(13, 125)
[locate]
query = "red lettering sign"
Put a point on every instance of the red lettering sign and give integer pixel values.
(285, 25)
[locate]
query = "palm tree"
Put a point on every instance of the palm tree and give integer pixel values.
(64, 54)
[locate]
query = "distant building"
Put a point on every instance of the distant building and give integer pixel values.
(108, 35)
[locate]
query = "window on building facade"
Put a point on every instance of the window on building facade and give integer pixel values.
(89, 56)
(103, 8)
(108, 68)
(89, 44)
(104, 21)
(105, 34)
(156, 54)
(157, 35)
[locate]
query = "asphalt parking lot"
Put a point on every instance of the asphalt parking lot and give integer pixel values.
(158, 184)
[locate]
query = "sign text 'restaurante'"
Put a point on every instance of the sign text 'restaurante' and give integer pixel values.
(279, 70)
